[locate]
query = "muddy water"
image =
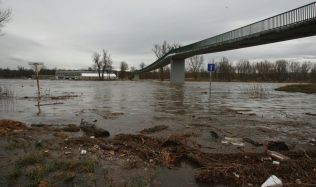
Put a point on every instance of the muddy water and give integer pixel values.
(128, 107)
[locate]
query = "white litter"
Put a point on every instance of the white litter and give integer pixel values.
(83, 152)
(272, 181)
(276, 163)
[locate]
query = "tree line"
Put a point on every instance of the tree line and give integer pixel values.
(24, 73)
(265, 71)
(245, 71)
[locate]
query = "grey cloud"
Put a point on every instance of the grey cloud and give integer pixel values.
(64, 34)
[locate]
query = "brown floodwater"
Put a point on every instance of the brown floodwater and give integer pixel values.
(128, 107)
(242, 110)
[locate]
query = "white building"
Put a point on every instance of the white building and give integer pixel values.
(95, 76)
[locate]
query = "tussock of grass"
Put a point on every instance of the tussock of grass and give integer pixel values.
(67, 169)
(256, 91)
(303, 88)
(29, 160)
(13, 175)
(6, 92)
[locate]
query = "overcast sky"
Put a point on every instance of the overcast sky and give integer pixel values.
(65, 33)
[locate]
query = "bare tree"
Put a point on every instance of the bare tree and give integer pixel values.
(109, 66)
(195, 63)
(124, 68)
(281, 69)
(264, 70)
(294, 69)
(225, 69)
(161, 50)
(244, 70)
(132, 68)
(106, 63)
(313, 73)
(5, 15)
(97, 63)
(305, 68)
(142, 65)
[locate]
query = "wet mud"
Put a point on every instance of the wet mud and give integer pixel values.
(61, 155)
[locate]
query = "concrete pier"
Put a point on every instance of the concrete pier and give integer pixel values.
(136, 77)
(177, 71)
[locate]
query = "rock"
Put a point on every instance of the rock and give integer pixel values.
(214, 135)
(92, 130)
(154, 129)
(277, 146)
(71, 128)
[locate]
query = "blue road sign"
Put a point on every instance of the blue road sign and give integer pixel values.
(211, 67)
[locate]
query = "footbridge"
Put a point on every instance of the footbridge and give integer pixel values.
(296, 23)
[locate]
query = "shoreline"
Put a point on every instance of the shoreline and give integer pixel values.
(64, 154)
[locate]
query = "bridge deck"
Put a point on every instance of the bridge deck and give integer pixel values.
(296, 23)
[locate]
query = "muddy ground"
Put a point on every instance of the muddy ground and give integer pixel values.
(64, 155)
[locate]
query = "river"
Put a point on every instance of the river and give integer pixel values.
(127, 107)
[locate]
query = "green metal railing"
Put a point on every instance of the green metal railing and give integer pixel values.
(292, 17)
(295, 16)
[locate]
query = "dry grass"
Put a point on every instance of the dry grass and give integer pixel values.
(303, 88)
(6, 92)
(256, 91)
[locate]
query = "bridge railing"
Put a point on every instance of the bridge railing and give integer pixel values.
(294, 16)
(291, 17)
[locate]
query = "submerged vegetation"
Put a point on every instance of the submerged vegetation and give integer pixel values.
(303, 88)
(256, 91)
(6, 92)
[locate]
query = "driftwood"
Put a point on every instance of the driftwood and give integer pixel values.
(49, 104)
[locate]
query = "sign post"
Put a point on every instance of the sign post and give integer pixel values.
(37, 69)
(211, 68)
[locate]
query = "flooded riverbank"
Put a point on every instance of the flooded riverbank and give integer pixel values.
(157, 128)
(130, 106)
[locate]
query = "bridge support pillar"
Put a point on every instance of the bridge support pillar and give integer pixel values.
(177, 71)
(136, 77)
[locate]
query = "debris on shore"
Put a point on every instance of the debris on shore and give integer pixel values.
(67, 159)
(8, 127)
(92, 130)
